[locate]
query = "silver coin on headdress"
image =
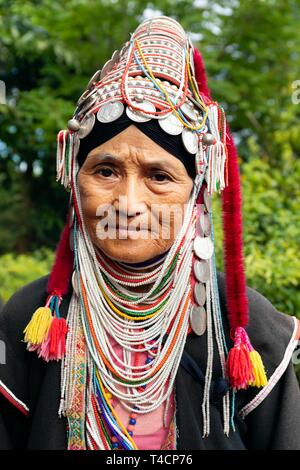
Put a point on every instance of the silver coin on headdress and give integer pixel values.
(110, 111)
(204, 224)
(138, 116)
(198, 320)
(201, 270)
(87, 103)
(190, 140)
(200, 293)
(188, 111)
(171, 124)
(106, 68)
(86, 125)
(95, 78)
(203, 247)
(207, 200)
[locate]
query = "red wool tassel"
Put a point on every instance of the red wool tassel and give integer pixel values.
(57, 344)
(239, 365)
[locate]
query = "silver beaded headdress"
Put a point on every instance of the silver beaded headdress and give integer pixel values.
(152, 77)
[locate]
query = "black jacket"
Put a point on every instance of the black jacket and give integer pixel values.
(266, 418)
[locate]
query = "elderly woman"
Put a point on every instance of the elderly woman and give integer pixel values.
(134, 341)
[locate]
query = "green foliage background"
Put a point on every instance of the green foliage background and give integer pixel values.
(48, 51)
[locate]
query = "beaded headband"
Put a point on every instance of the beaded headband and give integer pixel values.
(159, 74)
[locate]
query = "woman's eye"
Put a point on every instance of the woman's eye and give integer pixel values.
(160, 177)
(106, 172)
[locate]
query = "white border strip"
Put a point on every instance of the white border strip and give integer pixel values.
(15, 399)
(276, 375)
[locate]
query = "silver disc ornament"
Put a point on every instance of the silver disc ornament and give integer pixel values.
(198, 320)
(86, 125)
(138, 116)
(203, 247)
(110, 112)
(207, 200)
(201, 270)
(204, 224)
(171, 124)
(200, 293)
(190, 140)
(188, 111)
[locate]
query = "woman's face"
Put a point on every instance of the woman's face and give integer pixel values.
(133, 194)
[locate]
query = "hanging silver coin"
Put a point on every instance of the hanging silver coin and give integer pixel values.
(106, 68)
(87, 104)
(110, 112)
(75, 283)
(200, 293)
(190, 140)
(204, 225)
(207, 200)
(201, 270)
(203, 247)
(76, 144)
(115, 57)
(198, 320)
(188, 111)
(171, 124)
(138, 116)
(95, 78)
(86, 125)
(83, 97)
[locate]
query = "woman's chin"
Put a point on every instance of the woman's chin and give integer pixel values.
(129, 250)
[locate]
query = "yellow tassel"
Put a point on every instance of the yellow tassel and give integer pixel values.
(39, 325)
(258, 370)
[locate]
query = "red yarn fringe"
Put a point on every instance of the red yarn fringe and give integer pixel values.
(236, 298)
(60, 276)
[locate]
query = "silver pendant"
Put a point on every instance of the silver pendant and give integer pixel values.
(138, 116)
(171, 125)
(203, 247)
(86, 125)
(110, 112)
(208, 139)
(190, 140)
(201, 270)
(73, 125)
(204, 224)
(75, 283)
(198, 320)
(200, 293)
(207, 200)
(188, 111)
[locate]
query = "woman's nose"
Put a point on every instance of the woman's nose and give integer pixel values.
(131, 200)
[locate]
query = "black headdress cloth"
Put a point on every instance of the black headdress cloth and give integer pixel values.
(102, 132)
